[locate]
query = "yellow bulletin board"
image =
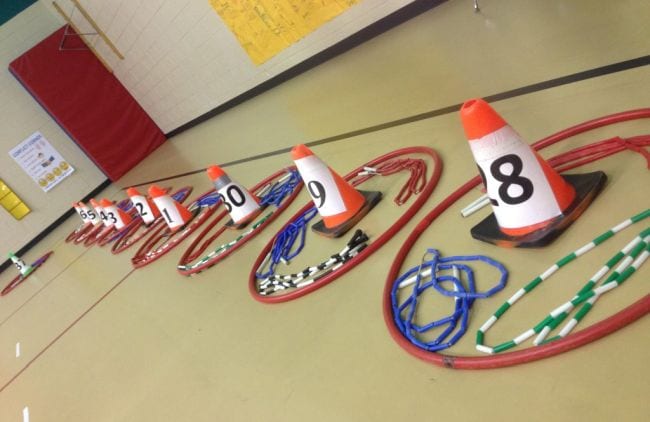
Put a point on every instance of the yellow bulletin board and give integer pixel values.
(12, 203)
(266, 27)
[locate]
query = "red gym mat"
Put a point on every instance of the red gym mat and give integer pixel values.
(88, 102)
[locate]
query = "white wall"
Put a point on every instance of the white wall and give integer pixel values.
(20, 116)
(181, 60)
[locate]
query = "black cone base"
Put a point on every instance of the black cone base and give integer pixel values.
(372, 199)
(232, 226)
(587, 187)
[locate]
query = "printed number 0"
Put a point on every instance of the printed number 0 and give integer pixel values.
(236, 201)
(514, 178)
(317, 191)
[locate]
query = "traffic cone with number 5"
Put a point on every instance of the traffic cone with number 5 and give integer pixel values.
(532, 203)
(340, 205)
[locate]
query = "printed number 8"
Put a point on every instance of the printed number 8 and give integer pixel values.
(514, 178)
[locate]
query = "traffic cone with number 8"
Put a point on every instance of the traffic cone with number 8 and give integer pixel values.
(175, 214)
(532, 203)
(338, 202)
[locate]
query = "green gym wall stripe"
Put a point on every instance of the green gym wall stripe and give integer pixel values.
(10, 8)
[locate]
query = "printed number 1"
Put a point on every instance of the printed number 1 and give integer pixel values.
(166, 213)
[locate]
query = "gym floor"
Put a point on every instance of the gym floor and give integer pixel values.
(102, 341)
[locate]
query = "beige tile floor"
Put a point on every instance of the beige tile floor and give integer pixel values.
(103, 342)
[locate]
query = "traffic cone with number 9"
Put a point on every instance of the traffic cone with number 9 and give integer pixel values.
(338, 202)
(240, 203)
(532, 203)
(175, 214)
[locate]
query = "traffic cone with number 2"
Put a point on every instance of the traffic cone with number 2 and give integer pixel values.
(532, 203)
(340, 205)
(176, 215)
(145, 206)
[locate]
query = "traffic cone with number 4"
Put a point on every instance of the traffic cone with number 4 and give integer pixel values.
(340, 205)
(532, 203)
(175, 214)
(115, 215)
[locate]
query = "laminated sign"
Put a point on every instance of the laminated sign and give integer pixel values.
(41, 161)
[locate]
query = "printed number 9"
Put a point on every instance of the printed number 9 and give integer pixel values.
(317, 191)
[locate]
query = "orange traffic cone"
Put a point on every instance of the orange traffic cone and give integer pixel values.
(91, 216)
(100, 212)
(145, 206)
(115, 216)
(176, 215)
(82, 214)
(340, 204)
(240, 203)
(532, 203)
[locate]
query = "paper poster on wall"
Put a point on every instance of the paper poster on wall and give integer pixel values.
(266, 27)
(41, 161)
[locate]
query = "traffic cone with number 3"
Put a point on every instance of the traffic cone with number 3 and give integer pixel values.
(175, 214)
(532, 203)
(340, 205)
(24, 269)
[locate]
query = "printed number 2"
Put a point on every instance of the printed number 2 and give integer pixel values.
(140, 208)
(317, 191)
(507, 180)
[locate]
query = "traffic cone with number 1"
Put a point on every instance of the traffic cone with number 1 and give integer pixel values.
(532, 203)
(338, 202)
(176, 215)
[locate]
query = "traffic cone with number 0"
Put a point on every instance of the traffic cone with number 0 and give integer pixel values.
(240, 203)
(340, 205)
(532, 203)
(175, 214)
